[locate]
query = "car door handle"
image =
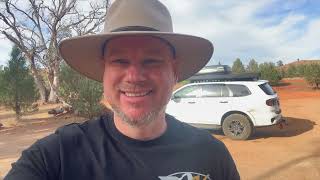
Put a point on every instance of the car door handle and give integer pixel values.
(223, 101)
(191, 102)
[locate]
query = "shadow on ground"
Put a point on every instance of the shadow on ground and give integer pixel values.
(42, 123)
(295, 127)
(13, 115)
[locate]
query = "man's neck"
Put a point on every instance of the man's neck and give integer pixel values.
(148, 132)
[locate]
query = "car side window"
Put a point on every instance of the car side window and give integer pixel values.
(224, 91)
(189, 92)
(238, 90)
(214, 90)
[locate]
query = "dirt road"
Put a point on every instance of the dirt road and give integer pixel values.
(291, 153)
(14, 140)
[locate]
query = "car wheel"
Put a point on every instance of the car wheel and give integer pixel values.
(237, 126)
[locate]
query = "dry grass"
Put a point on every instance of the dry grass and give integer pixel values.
(8, 117)
(11, 122)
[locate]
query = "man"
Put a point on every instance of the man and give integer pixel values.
(139, 59)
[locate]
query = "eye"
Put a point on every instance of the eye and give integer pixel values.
(152, 62)
(120, 62)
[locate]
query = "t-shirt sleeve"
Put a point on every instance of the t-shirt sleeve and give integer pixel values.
(39, 162)
(230, 169)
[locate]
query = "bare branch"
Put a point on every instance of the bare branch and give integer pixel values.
(38, 26)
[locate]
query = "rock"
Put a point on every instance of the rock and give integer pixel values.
(56, 111)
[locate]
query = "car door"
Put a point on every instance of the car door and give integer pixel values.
(184, 103)
(242, 99)
(216, 102)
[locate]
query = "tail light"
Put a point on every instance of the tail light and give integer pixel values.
(272, 102)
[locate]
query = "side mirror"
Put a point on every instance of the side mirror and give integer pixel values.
(176, 99)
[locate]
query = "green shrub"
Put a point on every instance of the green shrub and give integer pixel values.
(301, 70)
(82, 93)
(312, 74)
(269, 72)
(17, 88)
(292, 71)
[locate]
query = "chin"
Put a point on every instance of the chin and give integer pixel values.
(136, 116)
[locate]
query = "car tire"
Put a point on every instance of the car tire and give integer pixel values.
(237, 127)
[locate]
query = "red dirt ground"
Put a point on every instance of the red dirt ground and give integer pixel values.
(295, 88)
(289, 153)
(272, 153)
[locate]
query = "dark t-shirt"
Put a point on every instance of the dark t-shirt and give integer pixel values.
(97, 150)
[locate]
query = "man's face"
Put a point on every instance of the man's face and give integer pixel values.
(139, 75)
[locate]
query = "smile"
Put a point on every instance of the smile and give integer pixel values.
(136, 94)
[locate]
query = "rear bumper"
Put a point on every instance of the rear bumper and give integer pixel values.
(282, 123)
(277, 119)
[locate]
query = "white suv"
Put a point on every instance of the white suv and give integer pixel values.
(236, 106)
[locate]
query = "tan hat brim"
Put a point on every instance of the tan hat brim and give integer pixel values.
(85, 53)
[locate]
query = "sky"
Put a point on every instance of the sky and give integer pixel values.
(264, 30)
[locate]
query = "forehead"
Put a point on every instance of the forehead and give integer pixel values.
(148, 44)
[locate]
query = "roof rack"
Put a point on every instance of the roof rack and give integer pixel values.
(217, 77)
(219, 69)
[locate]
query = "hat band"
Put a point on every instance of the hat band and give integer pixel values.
(134, 28)
(140, 28)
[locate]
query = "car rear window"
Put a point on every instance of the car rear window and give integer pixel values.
(238, 90)
(266, 88)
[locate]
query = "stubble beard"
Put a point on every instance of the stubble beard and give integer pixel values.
(141, 121)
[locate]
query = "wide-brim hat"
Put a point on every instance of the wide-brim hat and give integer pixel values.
(136, 18)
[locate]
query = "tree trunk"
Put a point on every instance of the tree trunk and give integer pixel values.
(17, 107)
(39, 83)
(53, 96)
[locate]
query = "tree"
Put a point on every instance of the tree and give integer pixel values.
(269, 72)
(312, 74)
(237, 66)
(279, 63)
(38, 26)
(17, 88)
(253, 66)
(83, 94)
(1, 84)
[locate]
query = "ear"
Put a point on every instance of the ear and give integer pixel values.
(175, 66)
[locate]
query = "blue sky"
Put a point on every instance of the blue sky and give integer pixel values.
(265, 30)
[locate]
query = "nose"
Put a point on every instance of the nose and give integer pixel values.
(135, 73)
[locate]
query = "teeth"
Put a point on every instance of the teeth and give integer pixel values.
(136, 94)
